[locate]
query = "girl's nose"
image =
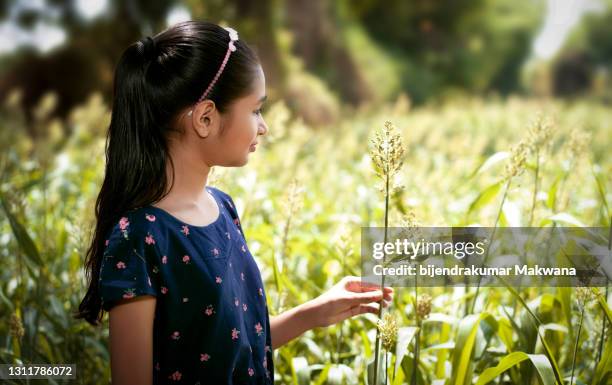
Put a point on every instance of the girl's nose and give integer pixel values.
(263, 128)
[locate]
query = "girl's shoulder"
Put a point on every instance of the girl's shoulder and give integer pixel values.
(220, 193)
(225, 199)
(133, 224)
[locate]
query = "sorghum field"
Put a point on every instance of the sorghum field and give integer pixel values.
(303, 198)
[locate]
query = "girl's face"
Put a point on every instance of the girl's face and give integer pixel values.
(227, 139)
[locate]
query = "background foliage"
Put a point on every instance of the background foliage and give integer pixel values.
(451, 79)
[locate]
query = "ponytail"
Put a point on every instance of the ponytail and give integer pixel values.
(136, 155)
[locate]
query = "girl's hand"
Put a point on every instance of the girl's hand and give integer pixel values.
(347, 298)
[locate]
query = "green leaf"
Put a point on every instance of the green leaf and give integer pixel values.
(537, 323)
(601, 189)
(505, 333)
(601, 299)
(381, 371)
(324, 376)
(551, 200)
(566, 218)
(603, 371)
(490, 162)
(407, 368)
(301, 371)
(466, 339)
(565, 298)
(486, 196)
(404, 337)
(541, 363)
(23, 238)
(367, 347)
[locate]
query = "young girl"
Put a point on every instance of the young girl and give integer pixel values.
(168, 259)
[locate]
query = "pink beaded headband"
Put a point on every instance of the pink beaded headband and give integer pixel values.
(230, 48)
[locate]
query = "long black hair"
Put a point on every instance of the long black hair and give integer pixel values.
(156, 78)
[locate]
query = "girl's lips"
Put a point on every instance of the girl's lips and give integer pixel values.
(253, 147)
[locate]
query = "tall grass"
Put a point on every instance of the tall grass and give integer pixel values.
(455, 157)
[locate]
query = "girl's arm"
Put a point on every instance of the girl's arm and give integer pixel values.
(131, 339)
(290, 324)
(346, 299)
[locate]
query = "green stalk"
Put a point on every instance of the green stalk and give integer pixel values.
(535, 187)
(603, 331)
(491, 241)
(415, 362)
(576, 344)
(386, 368)
(382, 281)
(603, 323)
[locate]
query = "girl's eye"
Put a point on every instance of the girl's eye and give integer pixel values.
(258, 112)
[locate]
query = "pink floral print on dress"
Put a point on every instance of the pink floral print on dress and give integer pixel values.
(164, 289)
(235, 333)
(258, 329)
(204, 357)
(186, 258)
(175, 335)
(209, 310)
(150, 218)
(129, 293)
(149, 240)
(164, 259)
(251, 372)
(185, 230)
(120, 265)
(123, 223)
(218, 279)
(176, 376)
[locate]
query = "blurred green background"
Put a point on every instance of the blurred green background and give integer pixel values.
(462, 81)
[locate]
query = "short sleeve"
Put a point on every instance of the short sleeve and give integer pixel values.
(125, 272)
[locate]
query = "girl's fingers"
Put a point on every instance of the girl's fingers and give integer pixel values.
(369, 308)
(363, 308)
(357, 310)
(356, 285)
(364, 286)
(370, 296)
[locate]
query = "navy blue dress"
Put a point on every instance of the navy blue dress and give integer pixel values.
(211, 321)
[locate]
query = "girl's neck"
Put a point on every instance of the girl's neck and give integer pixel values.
(188, 182)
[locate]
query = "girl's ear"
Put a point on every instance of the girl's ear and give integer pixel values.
(204, 117)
